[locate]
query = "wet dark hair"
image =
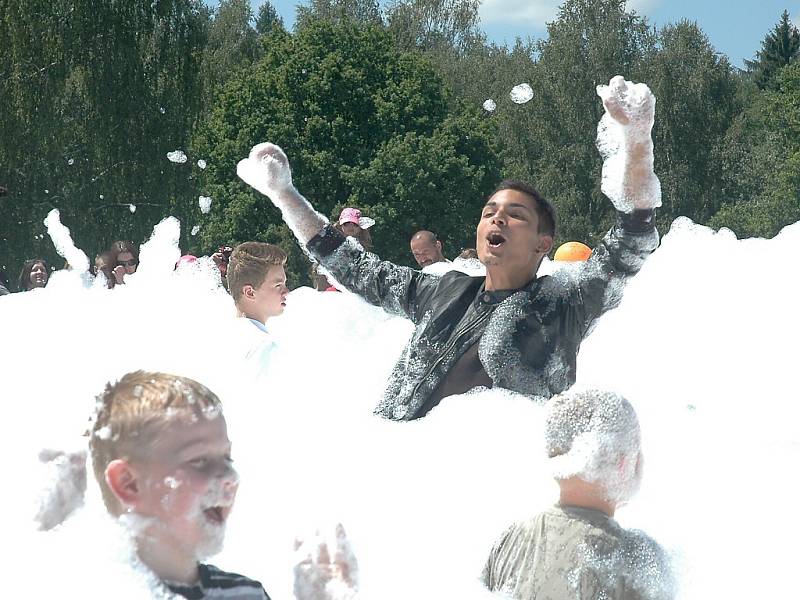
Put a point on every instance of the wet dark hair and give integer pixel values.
(121, 246)
(24, 282)
(544, 210)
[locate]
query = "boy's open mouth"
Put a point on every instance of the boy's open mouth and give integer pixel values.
(495, 239)
(215, 514)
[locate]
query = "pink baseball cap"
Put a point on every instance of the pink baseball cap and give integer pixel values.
(186, 259)
(353, 215)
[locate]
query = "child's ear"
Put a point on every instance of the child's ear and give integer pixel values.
(248, 292)
(122, 481)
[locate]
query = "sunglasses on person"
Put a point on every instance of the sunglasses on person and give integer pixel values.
(128, 263)
(226, 252)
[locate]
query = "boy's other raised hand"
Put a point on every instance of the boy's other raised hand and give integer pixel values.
(267, 170)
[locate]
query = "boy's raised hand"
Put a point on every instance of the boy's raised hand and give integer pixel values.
(623, 138)
(325, 567)
(632, 105)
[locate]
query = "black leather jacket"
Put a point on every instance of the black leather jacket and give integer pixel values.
(528, 343)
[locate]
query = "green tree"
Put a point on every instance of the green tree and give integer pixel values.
(698, 99)
(366, 12)
(96, 96)
(780, 47)
(434, 24)
(232, 44)
(552, 143)
(764, 192)
(360, 122)
(437, 182)
(268, 19)
(33, 79)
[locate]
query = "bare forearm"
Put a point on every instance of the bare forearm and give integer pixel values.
(639, 178)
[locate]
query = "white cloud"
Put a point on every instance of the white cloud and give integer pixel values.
(538, 12)
(519, 12)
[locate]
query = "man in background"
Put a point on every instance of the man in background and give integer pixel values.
(426, 248)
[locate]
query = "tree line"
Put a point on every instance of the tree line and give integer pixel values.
(382, 108)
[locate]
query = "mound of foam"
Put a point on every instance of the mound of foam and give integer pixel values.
(702, 345)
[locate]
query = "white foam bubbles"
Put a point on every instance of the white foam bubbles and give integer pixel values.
(703, 345)
(522, 93)
(177, 156)
(708, 323)
(63, 243)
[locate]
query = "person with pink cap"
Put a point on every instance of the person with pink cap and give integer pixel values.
(186, 260)
(352, 224)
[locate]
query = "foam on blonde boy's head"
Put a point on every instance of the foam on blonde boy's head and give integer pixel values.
(133, 411)
(250, 263)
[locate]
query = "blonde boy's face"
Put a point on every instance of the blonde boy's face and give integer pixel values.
(187, 486)
(270, 296)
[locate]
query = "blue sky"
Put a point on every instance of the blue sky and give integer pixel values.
(735, 27)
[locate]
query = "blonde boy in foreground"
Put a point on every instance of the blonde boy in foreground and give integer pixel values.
(162, 457)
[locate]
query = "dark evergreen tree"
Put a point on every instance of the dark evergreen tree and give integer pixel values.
(365, 12)
(780, 47)
(268, 19)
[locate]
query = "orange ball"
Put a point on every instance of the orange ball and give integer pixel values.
(572, 252)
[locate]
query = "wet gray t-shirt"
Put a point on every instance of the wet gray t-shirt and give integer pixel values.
(570, 553)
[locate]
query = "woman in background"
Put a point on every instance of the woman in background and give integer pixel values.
(352, 224)
(126, 257)
(35, 274)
